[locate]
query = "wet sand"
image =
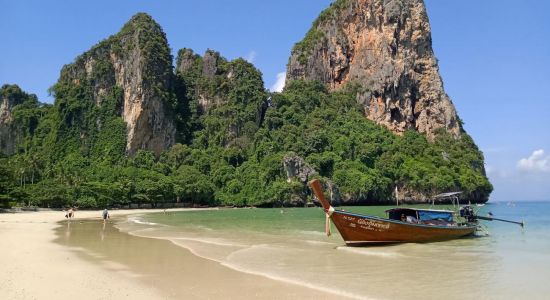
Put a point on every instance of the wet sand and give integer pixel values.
(34, 267)
(44, 256)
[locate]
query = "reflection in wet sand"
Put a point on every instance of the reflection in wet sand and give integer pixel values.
(401, 271)
(168, 268)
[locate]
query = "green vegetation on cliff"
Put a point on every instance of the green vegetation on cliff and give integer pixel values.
(233, 139)
(220, 167)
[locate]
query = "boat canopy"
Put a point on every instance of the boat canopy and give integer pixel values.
(427, 215)
(405, 209)
(422, 215)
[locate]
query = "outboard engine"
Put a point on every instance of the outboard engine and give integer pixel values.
(467, 212)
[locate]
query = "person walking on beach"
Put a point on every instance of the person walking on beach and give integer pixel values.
(70, 213)
(105, 215)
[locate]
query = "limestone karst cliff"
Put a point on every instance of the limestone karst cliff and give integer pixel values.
(19, 117)
(136, 65)
(128, 128)
(385, 46)
(207, 73)
(226, 97)
(8, 133)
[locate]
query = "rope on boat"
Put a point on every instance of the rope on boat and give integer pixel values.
(327, 225)
(327, 222)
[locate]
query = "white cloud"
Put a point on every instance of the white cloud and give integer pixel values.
(251, 56)
(280, 83)
(537, 162)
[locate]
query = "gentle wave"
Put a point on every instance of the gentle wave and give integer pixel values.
(312, 242)
(311, 232)
(195, 252)
(369, 252)
(286, 279)
(293, 281)
(216, 242)
(138, 221)
(204, 227)
(177, 240)
(180, 242)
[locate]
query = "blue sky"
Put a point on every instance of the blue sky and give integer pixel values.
(494, 59)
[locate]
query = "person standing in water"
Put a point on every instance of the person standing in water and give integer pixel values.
(105, 215)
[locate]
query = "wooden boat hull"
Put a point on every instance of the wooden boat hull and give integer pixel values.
(357, 230)
(360, 230)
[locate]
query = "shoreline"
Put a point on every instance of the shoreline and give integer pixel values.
(37, 265)
(34, 267)
(326, 292)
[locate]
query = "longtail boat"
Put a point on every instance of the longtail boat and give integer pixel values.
(403, 225)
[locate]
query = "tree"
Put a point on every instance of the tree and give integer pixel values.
(6, 182)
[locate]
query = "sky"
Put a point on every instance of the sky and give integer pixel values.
(494, 57)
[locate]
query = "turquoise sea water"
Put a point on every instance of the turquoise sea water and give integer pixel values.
(290, 245)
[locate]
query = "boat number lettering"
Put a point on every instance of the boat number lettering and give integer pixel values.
(367, 224)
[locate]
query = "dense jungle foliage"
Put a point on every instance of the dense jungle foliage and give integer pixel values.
(232, 138)
(225, 166)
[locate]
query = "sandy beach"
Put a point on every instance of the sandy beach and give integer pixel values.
(34, 266)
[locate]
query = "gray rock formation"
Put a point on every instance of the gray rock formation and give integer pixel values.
(215, 86)
(186, 60)
(210, 63)
(8, 134)
(208, 91)
(385, 46)
(334, 195)
(138, 61)
(297, 168)
(207, 78)
(13, 129)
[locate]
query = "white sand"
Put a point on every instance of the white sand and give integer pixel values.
(33, 266)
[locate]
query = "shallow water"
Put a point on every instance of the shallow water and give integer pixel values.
(174, 272)
(289, 245)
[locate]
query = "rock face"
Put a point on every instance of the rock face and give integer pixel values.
(137, 60)
(14, 129)
(230, 91)
(385, 46)
(8, 134)
(212, 69)
(334, 193)
(297, 168)
(187, 60)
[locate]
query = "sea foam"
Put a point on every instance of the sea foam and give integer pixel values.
(370, 252)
